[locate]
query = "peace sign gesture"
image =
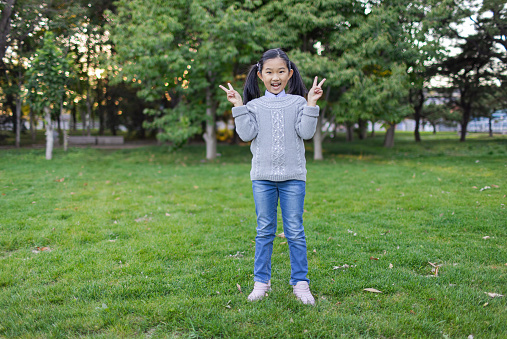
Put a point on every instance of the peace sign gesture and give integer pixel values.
(315, 92)
(232, 95)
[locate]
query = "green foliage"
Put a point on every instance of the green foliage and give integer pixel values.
(178, 52)
(47, 76)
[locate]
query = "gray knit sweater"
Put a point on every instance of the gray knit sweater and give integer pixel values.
(277, 127)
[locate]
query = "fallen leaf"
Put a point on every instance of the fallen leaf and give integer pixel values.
(283, 243)
(372, 258)
(412, 311)
(168, 214)
(486, 237)
(196, 187)
(239, 288)
(494, 295)
(60, 180)
(432, 264)
(329, 238)
(391, 266)
(495, 186)
(372, 290)
(44, 249)
(314, 250)
(281, 235)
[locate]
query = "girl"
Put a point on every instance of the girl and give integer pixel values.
(276, 124)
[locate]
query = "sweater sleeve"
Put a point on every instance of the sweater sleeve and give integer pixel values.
(245, 121)
(306, 121)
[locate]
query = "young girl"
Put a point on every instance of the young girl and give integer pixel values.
(276, 124)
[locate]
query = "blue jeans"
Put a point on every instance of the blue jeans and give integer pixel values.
(292, 196)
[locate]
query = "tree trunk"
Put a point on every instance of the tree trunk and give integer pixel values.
(418, 106)
(33, 127)
(389, 138)
(18, 121)
(210, 136)
(372, 128)
(349, 127)
(490, 125)
(49, 133)
(317, 140)
(417, 118)
(65, 119)
(361, 132)
(74, 117)
(88, 112)
(464, 125)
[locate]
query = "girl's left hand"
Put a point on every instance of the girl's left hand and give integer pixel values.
(315, 92)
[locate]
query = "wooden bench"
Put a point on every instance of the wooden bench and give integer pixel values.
(81, 140)
(110, 140)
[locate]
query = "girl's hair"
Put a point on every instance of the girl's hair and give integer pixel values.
(296, 85)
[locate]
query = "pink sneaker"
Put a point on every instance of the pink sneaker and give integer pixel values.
(302, 292)
(259, 291)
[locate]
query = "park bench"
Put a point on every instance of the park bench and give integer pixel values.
(81, 140)
(110, 140)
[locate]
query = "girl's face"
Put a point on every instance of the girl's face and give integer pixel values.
(275, 75)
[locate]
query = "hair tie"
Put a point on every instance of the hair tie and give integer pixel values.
(258, 67)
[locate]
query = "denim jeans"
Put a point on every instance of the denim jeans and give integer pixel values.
(292, 195)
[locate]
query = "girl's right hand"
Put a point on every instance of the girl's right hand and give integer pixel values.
(233, 96)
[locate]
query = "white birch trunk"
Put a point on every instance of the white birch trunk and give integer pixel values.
(210, 136)
(49, 133)
(317, 140)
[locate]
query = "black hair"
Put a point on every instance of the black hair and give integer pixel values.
(296, 85)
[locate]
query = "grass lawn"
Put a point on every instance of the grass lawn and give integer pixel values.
(150, 244)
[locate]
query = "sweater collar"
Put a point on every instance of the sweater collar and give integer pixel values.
(268, 94)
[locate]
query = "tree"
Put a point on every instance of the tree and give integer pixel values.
(22, 24)
(469, 72)
(46, 84)
(178, 53)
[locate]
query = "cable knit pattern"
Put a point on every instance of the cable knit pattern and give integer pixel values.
(278, 146)
(277, 127)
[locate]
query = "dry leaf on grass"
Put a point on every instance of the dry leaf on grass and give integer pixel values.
(372, 290)
(281, 235)
(283, 243)
(486, 237)
(391, 266)
(239, 288)
(494, 295)
(373, 258)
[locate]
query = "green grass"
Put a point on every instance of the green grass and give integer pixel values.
(146, 243)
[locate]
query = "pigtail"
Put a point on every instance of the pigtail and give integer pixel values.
(296, 84)
(251, 90)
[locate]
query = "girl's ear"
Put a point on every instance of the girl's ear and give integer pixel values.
(260, 75)
(290, 73)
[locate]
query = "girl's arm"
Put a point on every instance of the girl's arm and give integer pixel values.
(246, 123)
(244, 118)
(306, 122)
